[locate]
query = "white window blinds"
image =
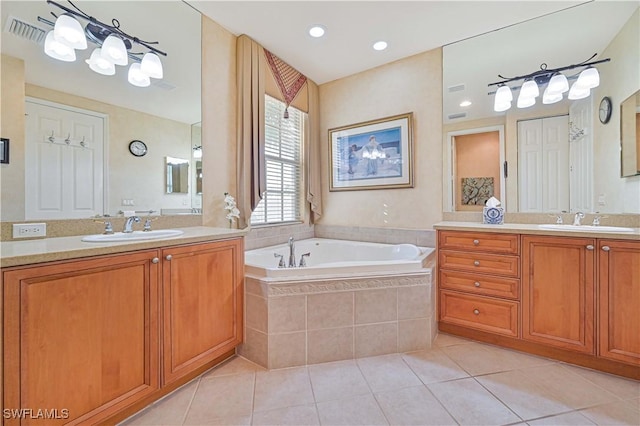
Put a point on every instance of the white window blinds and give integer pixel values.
(283, 153)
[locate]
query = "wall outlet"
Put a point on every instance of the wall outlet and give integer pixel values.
(29, 230)
(127, 202)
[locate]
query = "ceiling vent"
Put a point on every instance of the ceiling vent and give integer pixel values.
(458, 115)
(162, 84)
(24, 30)
(456, 88)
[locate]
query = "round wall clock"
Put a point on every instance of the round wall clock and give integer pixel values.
(138, 148)
(605, 110)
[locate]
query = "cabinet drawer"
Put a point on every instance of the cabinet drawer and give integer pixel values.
(479, 241)
(482, 313)
(480, 284)
(508, 266)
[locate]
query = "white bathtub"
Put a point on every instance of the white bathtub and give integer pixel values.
(337, 257)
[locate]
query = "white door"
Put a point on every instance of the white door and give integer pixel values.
(543, 165)
(64, 165)
(581, 154)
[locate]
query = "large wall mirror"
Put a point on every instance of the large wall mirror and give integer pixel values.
(160, 115)
(556, 157)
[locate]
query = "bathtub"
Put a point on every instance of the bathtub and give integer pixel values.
(336, 258)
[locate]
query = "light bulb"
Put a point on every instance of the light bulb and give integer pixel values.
(137, 77)
(380, 45)
(503, 94)
(99, 64)
(316, 31)
(588, 79)
(57, 50)
(557, 85)
(529, 89)
(69, 32)
(114, 50)
(197, 153)
(151, 65)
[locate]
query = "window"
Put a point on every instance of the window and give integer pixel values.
(283, 152)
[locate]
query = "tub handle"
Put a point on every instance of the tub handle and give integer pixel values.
(281, 262)
(303, 263)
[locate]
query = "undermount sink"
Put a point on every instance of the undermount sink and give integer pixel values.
(586, 228)
(132, 236)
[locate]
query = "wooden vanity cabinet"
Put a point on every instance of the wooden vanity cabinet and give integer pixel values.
(558, 292)
(202, 295)
(619, 300)
(81, 337)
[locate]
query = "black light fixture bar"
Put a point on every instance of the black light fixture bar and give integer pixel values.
(113, 28)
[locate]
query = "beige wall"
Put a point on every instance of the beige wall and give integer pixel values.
(412, 84)
(618, 80)
(477, 155)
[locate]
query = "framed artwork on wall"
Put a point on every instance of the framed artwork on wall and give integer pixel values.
(376, 154)
(4, 151)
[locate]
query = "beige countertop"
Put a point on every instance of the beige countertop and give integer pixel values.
(15, 253)
(527, 228)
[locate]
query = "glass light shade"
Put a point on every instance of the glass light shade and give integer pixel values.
(578, 92)
(114, 50)
(99, 64)
(588, 79)
(197, 153)
(525, 102)
(557, 85)
(57, 50)
(69, 32)
(137, 77)
(500, 107)
(551, 98)
(316, 31)
(503, 94)
(151, 65)
(380, 45)
(529, 89)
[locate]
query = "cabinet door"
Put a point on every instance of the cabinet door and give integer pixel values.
(619, 303)
(558, 292)
(81, 337)
(202, 297)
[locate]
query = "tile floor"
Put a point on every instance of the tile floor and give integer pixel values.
(456, 382)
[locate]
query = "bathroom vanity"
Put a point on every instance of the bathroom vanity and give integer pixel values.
(568, 295)
(98, 331)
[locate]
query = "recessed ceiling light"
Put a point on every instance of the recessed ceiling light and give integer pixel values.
(465, 103)
(317, 31)
(380, 45)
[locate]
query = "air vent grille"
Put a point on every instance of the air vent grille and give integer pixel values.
(24, 30)
(458, 115)
(162, 84)
(456, 88)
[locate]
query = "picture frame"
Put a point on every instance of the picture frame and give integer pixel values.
(4, 151)
(376, 154)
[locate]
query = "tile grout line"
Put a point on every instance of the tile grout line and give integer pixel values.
(186, 412)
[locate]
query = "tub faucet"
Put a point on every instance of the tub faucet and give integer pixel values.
(578, 217)
(292, 253)
(129, 223)
(303, 262)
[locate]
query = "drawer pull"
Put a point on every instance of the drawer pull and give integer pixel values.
(477, 284)
(605, 248)
(169, 257)
(155, 260)
(589, 247)
(476, 262)
(476, 312)
(476, 242)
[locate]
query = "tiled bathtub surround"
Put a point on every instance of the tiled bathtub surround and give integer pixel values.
(265, 236)
(307, 322)
(422, 238)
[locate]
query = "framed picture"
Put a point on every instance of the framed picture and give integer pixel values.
(375, 154)
(4, 151)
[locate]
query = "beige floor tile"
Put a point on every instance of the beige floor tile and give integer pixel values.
(413, 406)
(294, 416)
(477, 358)
(225, 421)
(524, 397)
(619, 386)
(208, 404)
(282, 388)
(471, 404)
(566, 419)
(388, 372)
(433, 366)
(617, 413)
(443, 340)
(235, 365)
(337, 380)
(360, 410)
(170, 410)
(568, 387)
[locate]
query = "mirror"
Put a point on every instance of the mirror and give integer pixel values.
(592, 179)
(161, 115)
(177, 175)
(630, 135)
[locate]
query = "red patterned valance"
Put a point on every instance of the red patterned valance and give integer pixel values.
(289, 80)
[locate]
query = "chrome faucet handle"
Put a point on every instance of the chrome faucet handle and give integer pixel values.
(147, 223)
(596, 220)
(303, 262)
(558, 218)
(108, 228)
(281, 262)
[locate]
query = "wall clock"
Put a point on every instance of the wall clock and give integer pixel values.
(605, 110)
(138, 148)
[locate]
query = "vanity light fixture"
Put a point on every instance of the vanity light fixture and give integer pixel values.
(317, 31)
(197, 151)
(114, 45)
(556, 84)
(380, 45)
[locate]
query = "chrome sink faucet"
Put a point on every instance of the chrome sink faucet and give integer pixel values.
(292, 253)
(129, 223)
(577, 218)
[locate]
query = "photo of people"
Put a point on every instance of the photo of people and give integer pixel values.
(370, 155)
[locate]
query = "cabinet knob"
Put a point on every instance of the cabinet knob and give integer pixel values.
(168, 257)
(155, 260)
(476, 262)
(476, 242)
(589, 247)
(476, 312)
(605, 248)
(477, 284)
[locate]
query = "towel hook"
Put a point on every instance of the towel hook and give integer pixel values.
(51, 138)
(68, 139)
(83, 143)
